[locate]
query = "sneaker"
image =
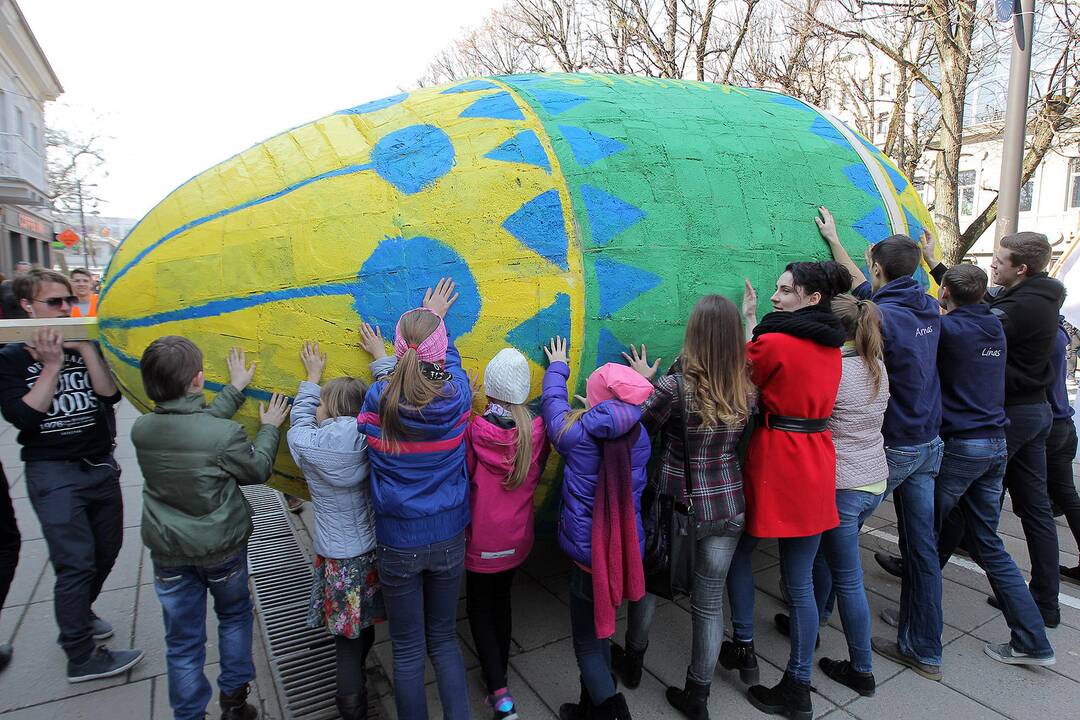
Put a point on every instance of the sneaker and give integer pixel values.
(890, 563)
(1005, 653)
(1070, 574)
(890, 616)
(502, 705)
(103, 663)
(842, 672)
(889, 649)
(783, 625)
(101, 628)
(295, 504)
(1051, 619)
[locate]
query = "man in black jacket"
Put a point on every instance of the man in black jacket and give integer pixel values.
(1027, 304)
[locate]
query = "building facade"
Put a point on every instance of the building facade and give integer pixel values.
(26, 82)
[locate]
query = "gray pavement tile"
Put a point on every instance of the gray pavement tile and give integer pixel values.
(33, 559)
(150, 634)
(162, 711)
(545, 560)
(9, 620)
(38, 674)
(29, 527)
(131, 701)
(528, 703)
(1066, 642)
(125, 572)
(17, 487)
(132, 505)
(1017, 692)
(886, 511)
(911, 697)
(539, 616)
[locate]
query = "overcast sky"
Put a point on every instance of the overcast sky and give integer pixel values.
(181, 86)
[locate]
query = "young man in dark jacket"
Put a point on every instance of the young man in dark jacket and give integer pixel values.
(61, 396)
(911, 325)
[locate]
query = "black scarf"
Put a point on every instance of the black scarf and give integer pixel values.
(433, 372)
(813, 322)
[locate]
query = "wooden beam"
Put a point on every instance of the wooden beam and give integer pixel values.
(22, 330)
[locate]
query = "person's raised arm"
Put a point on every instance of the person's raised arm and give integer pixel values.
(48, 349)
(231, 397)
(555, 398)
(101, 380)
(439, 301)
(928, 245)
(827, 227)
(749, 309)
(307, 397)
(373, 343)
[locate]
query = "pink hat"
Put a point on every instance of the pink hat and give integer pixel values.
(432, 349)
(617, 381)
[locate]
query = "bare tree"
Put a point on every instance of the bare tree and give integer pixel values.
(73, 163)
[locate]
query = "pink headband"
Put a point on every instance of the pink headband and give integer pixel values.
(432, 349)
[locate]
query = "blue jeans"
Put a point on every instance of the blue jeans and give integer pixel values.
(796, 573)
(712, 558)
(838, 573)
(912, 470)
(969, 486)
(182, 593)
(1025, 479)
(593, 654)
(420, 588)
(81, 511)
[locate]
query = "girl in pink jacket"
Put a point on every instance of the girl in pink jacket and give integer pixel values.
(506, 449)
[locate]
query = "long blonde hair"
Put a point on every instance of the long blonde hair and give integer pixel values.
(714, 362)
(343, 396)
(523, 422)
(408, 383)
(862, 320)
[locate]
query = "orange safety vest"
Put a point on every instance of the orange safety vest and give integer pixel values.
(92, 312)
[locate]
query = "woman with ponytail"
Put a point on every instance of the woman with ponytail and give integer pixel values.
(705, 399)
(790, 472)
(506, 449)
(861, 475)
(415, 426)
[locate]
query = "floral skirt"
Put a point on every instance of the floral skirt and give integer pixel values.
(345, 595)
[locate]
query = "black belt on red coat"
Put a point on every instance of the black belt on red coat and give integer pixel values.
(792, 424)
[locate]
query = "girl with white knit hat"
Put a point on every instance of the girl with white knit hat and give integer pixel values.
(506, 449)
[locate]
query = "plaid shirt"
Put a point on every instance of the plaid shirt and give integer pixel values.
(714, 468)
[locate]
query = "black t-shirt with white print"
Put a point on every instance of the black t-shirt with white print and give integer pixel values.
(80, 423)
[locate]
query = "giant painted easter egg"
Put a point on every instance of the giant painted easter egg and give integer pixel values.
(595, 207)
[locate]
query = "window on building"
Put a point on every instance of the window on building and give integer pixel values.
(33, 136)
(20, 126)
(1074, 183)
(966, 182)
(882, 123)
(883, 83)
(1027, 196)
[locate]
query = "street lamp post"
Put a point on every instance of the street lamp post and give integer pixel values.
(1012, 152)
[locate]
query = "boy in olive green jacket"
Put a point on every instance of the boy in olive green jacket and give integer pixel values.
(195, 520)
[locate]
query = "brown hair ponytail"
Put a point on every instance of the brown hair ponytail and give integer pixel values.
(862, 320)
(408, 383)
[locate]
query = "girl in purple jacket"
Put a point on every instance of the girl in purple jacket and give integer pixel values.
(606, 451)
(505, 452)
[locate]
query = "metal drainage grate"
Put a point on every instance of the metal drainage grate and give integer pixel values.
(301, 658)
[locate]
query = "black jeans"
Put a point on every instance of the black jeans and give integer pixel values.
(81, 511)
(1060, 452)
(1026, 482)
(487, 602)
(10, 541)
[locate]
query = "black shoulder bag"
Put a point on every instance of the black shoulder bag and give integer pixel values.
(670, 528)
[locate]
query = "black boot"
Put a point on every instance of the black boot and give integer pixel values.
(352, 706)
(842, 672)
(581, 710)
(235, 706)
(627, 664)
(789, 697)
(783, 624)
(614, 708)
(735, 654)
(691, 701)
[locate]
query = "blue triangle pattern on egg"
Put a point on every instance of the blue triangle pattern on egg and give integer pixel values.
(619, 284)
(609, 349)
(608, 215)
(500, 106)
(861, 178)
(873, 226)
(531, 335)
(588, 146)
(898, 180)
(539, 225)
(824, 129)
(915, 228)
(470, 86)
(556, 101)
(524, 148)
(791, 102)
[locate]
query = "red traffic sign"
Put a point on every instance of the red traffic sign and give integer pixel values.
(69, 237)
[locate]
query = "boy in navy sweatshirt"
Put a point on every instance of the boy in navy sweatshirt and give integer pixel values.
(911, 325)
(971, 363)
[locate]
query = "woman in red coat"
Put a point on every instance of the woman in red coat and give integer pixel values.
(790, 474)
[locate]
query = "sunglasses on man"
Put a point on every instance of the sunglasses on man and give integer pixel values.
(58, 302)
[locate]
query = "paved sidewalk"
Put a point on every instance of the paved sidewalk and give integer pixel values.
(543, 672)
